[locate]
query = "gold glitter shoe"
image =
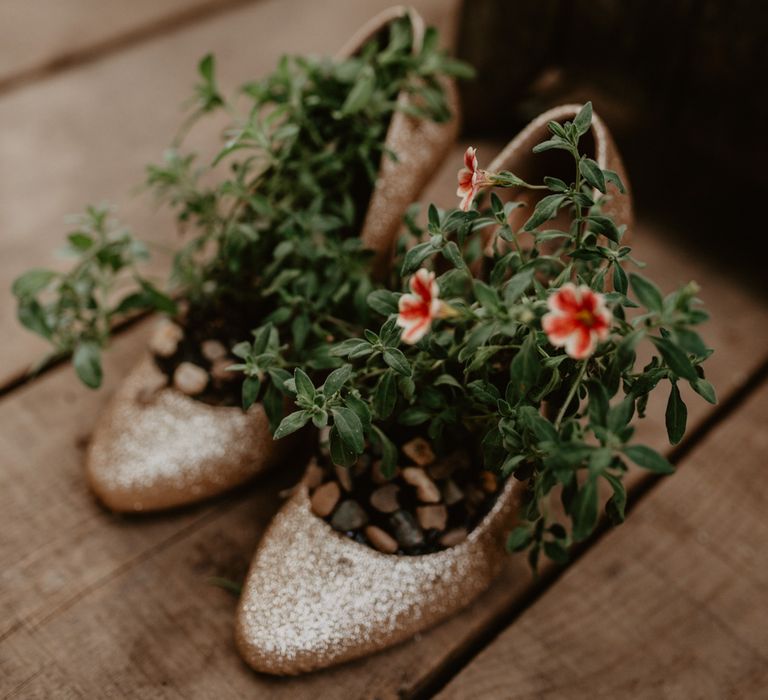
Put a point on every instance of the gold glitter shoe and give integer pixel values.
(156, 448)
(314, 597)
(421, 145)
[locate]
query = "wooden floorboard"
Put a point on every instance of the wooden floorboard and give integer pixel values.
(85, 136)
(671, 606)
(132, 592)
(43, 37)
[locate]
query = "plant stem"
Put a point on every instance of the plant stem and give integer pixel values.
(571, 393)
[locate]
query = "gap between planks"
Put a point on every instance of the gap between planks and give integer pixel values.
(638, 492)
(108, 45)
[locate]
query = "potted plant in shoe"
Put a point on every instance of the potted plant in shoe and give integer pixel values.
(505, 371)
(284, 229)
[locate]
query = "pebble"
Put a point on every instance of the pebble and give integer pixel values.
(446, 466)
(362, 465)
(419, 451)
(406, 529)
(453, 537)
(219, 370)
(384, 499)
(166, 338)
(190, 379)
(426, 489)
(432, 517)
(349, 516)
(381, 540)
(489, 481)
(378, 476)
(344, 477)
(313, 476)
(213, 350)
(451, 493)
(325, 498)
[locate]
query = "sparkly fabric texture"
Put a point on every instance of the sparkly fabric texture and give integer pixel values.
(156, 448)
(314, 598)
(420, 145)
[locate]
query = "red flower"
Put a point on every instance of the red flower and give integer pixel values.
(577, 320)
(471, 179)
(419, 309)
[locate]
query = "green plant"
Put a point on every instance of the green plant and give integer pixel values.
(536, 363)
(271, 220)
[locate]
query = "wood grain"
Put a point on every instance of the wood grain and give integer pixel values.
(85, 136)
(41, 37)
(122, 605)
(671, 606)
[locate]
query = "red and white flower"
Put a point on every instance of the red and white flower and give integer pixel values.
(417, 310)
(471, 179)
(577, 320)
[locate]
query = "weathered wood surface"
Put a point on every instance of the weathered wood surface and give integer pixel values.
(85, 136)
(672, 606)
(38, 38)
(98, 603)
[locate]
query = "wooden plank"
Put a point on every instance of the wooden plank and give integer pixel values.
(671, 606)
(122, 605)
(84, 136)
(41, 37)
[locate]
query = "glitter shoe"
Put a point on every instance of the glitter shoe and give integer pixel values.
(314, 597)
(155, 448)
(421, 145)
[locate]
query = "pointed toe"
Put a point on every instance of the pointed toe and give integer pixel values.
(156, 448)
(315, 598)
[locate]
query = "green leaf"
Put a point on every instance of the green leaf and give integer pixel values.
(676, 359)
(647, 292)
(704, 389)
(415, 256)
(32, 282)
(676, 415)
(525, 367)
(617, 503)
(584, 511)
(397, 361)
(385, 395)
(556, 552)
(519, 539)
(388, 453)
(592, 173)
(291, 423)
(250, 392)
(304, 387)
(486, 295)
(350, 429)
(336, 379)
(341, 453)
(360, 94)
(87, 362)
(648, 459)
(583, 120)
(619, 279)
(383, 301)
(413, 416)
(517, 285)
(545, 210)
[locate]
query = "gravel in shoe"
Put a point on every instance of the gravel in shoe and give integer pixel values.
(426, 489)
(325, 498)
(349, 516)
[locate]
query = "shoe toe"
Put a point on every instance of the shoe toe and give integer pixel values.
(314, 597)
(157, 448)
